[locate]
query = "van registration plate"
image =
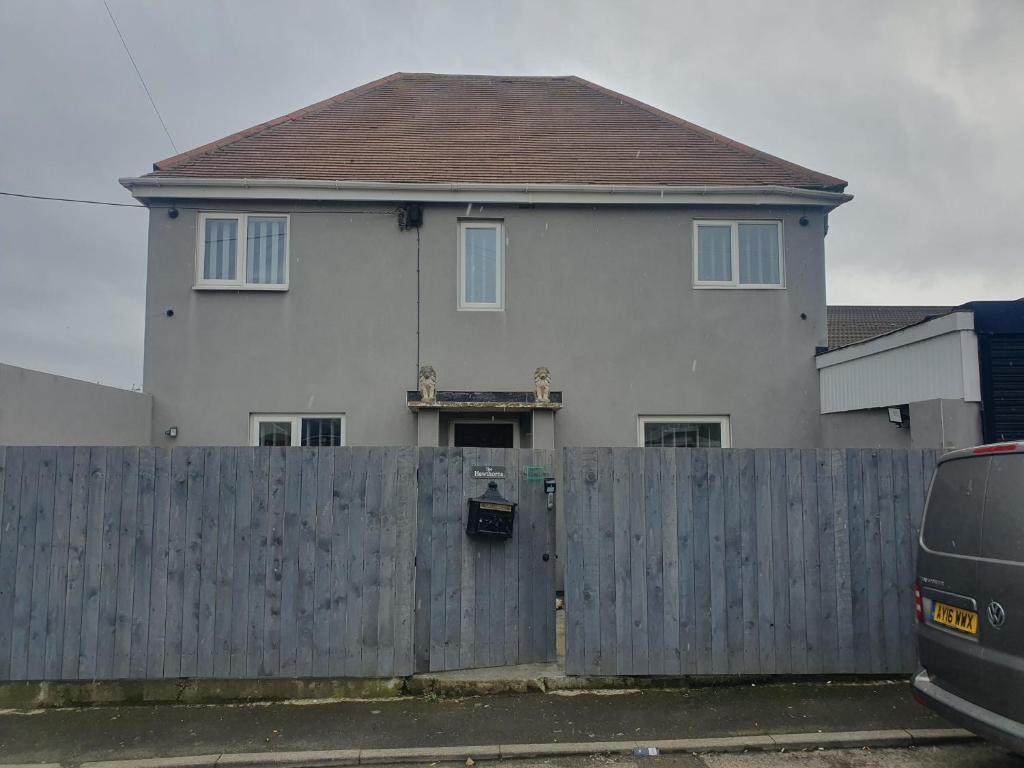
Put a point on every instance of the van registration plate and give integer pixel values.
(956, 618)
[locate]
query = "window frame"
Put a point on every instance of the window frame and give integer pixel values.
(255, 419)
(241, 252)
(499, 293)
(725, 421)
(734, 225)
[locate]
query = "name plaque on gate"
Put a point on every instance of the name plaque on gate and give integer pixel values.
(488, 473)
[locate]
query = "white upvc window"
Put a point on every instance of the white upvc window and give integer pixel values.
(242, 251)
(738, 254)
(684, 432)
(306, 429)
(481, 266)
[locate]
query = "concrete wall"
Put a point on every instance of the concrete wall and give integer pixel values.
(603, 297)
(946, 424)
(868, 428)
(39, 408)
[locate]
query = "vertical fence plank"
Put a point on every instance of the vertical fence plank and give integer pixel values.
(209, 539)
(590, 522)
(260, 547)
(424, 557)
(290, 585)
(702, 576)
(21, 615)
(733, 562)
(749, 561)
(357, 537)
(225, 572)
(859, 591)
(687, 593)
(341, 591)
(126, 563)
(470, 622)
(387, 564)
(653, 482)
(112, 503)
(575, 642)
(192, 605)
(451, 520)
(324, 562)
(812, 560)
(370, 638)
(143, 569)
(178, 515)
(93, 563)
(156, 640)
(765, 558)
(240, 554)
(606, 525)
(719, 617)
(638, 561)
(872, 546)
(780, 553)
(60, 560)
(845, 660)
(890, 580)
(44, 535)
(829, 640)
(306, 563)
(74, 592)
(904, 656)
(797, 562)
(619, 472)
(277, 499)
(405, 543)
(9, 515)
(438, 558)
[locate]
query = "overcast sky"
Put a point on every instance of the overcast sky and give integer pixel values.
(920, 105)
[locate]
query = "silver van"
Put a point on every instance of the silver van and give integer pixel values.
(969, 595)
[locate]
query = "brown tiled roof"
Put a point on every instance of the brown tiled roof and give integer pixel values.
(458, 128)
(848, 324)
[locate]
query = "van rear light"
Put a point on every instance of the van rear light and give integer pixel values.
(1000, 448)
(918, 603)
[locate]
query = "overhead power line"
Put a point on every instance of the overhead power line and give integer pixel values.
(71, 200)
(139, 73)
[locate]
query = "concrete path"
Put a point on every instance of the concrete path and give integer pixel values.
(113, 733)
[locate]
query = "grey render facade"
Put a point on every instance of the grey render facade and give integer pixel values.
(598, 285)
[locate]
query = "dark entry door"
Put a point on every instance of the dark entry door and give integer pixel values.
(483, 603)
(483, 435)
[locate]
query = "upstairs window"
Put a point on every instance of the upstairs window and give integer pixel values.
(737, 254)
(276, 429)
(242, 251)
(481, 265)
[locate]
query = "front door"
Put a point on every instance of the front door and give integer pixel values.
(484, 434)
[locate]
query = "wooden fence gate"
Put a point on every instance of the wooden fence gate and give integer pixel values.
(148, 563)
(483, 603)
(749, 561)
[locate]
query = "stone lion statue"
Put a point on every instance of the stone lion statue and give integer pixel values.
(542, 385)
(428, 384)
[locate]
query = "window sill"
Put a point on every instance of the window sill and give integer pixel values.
(716, 287)
(481, 309)
(238, 288)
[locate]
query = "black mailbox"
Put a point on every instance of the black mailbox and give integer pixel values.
(490, 515)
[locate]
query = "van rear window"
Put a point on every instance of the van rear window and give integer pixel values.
(952, 522)
(1003, 536)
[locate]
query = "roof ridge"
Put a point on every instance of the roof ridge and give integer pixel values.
(823, 178)
(318, 106)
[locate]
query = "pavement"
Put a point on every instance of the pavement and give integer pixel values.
(491, 726)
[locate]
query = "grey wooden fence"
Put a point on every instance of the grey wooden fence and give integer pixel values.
(722, 561)
(206, 562)
(480, 603)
